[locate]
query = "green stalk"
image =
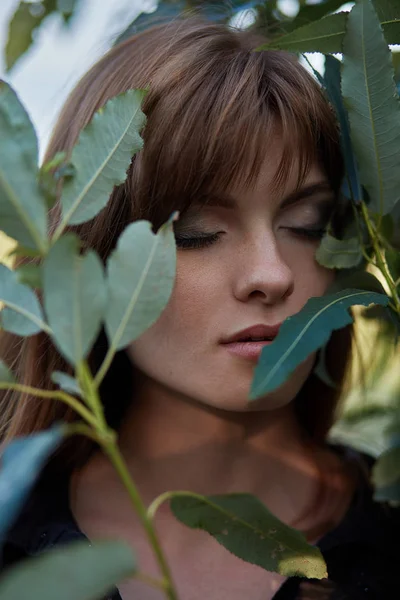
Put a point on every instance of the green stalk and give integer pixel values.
(91, 394)
(380, 260)
(114, 454)
(66, 398)
(110, 447)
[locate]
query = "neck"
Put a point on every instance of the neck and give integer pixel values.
(175, 443)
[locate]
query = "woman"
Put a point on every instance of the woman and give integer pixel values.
(246, 147)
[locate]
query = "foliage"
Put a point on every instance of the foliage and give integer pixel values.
(78, 571)
(27, 19)
(77, 296)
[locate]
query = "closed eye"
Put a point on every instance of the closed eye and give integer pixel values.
(200, 241)
(313, 234)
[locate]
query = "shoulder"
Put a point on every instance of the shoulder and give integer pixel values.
(361, 552)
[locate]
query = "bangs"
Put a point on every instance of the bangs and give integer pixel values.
(218, 121)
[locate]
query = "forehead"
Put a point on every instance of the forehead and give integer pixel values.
(290, 191)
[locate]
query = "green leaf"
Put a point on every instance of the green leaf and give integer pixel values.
(362, 280)
(27, 18)
(321, 371)
(386, 474)
(385, 225)
(364, 432)
(140, 278)
(326, 35)
(101, 157)
(332, 83)
(74, 297)
(305, 332)
(23, 213)
(67, 383)
(339, 254)
(392, 257)
(30, 275)
(24, 251)
(386, 470)
(21, 463)
(49, 175)
(22, 314)
(388, 12)
(395, 241)
(312, 12)
(323, 36)
(6, 376)
(388, 493)
(245, 527)
(373, 106)
(78, 571)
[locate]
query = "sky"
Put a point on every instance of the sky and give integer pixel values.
(60, 56)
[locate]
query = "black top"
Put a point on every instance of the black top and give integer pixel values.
(362, 552)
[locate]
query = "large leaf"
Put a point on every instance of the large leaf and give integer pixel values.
(373, 106)
(140, 278)
(101, 157)
(332, 84)
(21, 463)
(326, 35)
(339, 254)
(22, 314)
(78, 571)
(305, 332)
(74, 297)
(23, 213)
(245, 527)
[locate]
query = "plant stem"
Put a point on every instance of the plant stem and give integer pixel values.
(379, 259)
(66, 398)
(83, 429)
(156, 583)
(114, 454)
(104, 366)
(91, 394)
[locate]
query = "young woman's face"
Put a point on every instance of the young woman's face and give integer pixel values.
(256, 267)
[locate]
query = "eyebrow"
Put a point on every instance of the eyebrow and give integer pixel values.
(301, 194)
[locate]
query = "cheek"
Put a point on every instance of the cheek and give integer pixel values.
(311, 278)
(187, 315)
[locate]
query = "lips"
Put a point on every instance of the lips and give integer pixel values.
(254, 334)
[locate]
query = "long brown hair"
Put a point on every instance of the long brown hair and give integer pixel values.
(211, 108)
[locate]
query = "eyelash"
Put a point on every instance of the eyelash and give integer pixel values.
(205, 241)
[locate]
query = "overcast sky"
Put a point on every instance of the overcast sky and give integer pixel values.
(60, 55)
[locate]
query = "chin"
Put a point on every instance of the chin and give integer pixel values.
(243, 405)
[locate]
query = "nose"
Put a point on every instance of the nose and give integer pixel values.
(261, 272)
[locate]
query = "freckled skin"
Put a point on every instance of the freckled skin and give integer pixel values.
(257, 272)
